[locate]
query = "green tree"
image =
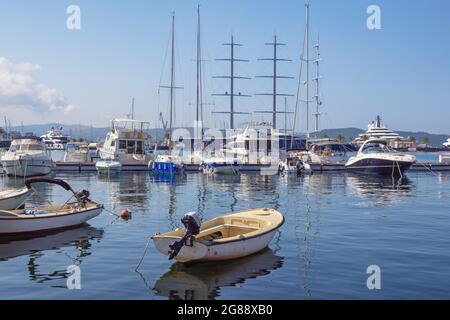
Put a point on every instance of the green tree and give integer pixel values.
(426, 140)
(341, 138)
(412, 139)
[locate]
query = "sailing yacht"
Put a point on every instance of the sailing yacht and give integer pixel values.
(27, 157)
(171, 163)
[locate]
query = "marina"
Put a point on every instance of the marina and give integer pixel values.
(335, 224)
(202, 151)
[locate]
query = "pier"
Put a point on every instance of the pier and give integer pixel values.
(61, 166)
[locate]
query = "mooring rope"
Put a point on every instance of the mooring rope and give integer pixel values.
(144, 254)
(429, 169)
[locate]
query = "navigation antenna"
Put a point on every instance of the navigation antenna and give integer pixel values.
(232, 77)
(275, 77)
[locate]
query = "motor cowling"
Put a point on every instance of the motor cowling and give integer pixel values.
(192, 223)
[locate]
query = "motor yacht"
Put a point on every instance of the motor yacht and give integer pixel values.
(128, 142)
(27, 157)
(56, 139)
(375, 156)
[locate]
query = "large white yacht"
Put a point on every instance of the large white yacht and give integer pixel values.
(257, 146)
(128, 142)
(27, 157)
(376, 130)
(56, 139)
(447, 143)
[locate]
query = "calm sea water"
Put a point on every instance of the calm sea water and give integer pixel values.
(336, 226)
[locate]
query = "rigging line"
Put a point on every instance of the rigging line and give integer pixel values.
(165, 61)
(297, 98)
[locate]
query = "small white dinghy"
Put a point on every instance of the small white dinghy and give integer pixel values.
(108, 166)
(223, 238)
(13, 198)
(70, 214)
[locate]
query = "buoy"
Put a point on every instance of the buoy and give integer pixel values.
(125, 214)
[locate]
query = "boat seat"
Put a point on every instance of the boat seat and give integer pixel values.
(213, 236)
(224, 231)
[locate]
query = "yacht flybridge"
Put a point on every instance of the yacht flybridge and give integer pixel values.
(375, 156)
(128, 142)
(56, 139)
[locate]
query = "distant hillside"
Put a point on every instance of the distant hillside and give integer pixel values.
(92, 133)
(76, 131)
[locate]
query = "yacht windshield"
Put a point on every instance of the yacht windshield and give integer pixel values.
(377, 148)
(31, 147)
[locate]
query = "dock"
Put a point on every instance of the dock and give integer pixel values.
(61, 166)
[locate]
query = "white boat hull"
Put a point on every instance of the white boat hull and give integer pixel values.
(27, 168)
(224, 170)
(108, 167)
(15, 225)
(12, 199)
(217, 252)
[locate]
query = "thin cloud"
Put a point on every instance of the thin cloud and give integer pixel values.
(18, 89)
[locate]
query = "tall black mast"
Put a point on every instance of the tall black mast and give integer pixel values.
(232, 77)
(274, 77)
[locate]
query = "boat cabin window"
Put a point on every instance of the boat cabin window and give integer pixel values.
(14, 147)
(139, 148)
(31, 147)
(122, 144)
(130, 146)
(376, 148)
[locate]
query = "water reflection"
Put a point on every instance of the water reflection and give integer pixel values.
(37, 246)
(204, 281)
(380, 190)
(126, 189)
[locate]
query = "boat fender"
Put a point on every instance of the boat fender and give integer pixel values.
(125, 214)
(191, 221)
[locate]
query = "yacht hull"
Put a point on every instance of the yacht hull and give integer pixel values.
(380, 167)
(27, 168)
(169, 168)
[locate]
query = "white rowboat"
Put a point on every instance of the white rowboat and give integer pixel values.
(13, 198)
(40, 219)
(226, 237)
(108, 166)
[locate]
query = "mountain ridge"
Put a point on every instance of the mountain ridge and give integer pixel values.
(78, 131)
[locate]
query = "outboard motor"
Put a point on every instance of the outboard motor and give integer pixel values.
(192, 223)
(83, 196)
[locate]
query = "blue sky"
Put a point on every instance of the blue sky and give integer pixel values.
(401, 72)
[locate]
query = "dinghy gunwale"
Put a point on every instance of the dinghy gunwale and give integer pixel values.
(18, 216)
(13, 193)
